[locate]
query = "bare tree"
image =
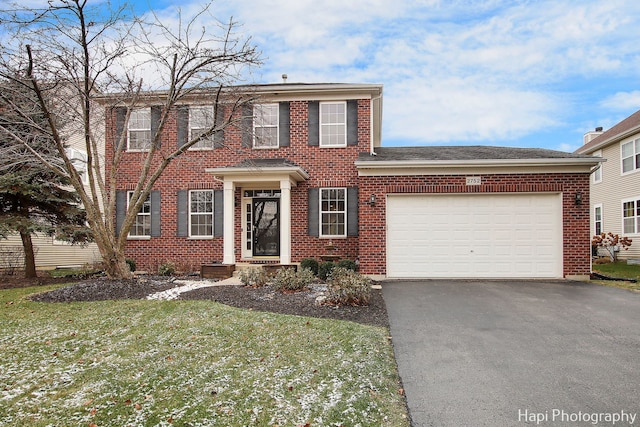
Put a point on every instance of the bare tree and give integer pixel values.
(83, 62)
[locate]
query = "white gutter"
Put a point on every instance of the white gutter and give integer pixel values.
(389, 164)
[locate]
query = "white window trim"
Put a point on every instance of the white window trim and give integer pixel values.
(276, 126)
(595, 221)
(344, 144)
(139, 237)
(597, 174)
(80, 163)
(636, 216)
(346, 213)
(191, 135)
(633, 157)
(201, 237)
(129, 129)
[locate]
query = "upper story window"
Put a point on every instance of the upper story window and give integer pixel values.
(201, 119)
(597, 174)
(333, 212)
(142, 225)
(265, 126)
(597, 220)
(79, 160)
(201, 213)
(630, 153)
(631, 216)
(333, 124)
(139, 129)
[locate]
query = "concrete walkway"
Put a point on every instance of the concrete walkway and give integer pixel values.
(189, 285)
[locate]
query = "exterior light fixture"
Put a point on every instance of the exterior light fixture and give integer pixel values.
(372, 200)
(578, 198)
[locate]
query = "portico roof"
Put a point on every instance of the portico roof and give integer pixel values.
(261, 170)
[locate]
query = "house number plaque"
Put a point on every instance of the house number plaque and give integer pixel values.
(474, 180)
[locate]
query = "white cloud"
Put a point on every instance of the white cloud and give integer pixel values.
(622, 101)
(459, 111)
(460, 71)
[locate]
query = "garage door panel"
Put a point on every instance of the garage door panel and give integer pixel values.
(512, 235)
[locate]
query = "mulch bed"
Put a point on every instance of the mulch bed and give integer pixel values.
(301, 303)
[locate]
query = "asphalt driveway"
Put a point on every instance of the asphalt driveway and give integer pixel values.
(509, 353)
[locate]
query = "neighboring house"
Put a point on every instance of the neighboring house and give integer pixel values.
(49, 252)
(307, 176)
(615, 186)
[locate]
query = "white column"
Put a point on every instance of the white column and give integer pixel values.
(285, 221)
(229, 256)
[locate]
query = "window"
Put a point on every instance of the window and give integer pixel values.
(333, 124)
(265, 126)
(139, 129)
(630, 156)
(201, 119)
(201, 213)
(597, 174)
(79, 160)
(597, 219)
(142, 225)
(631, 216)
(333, 211)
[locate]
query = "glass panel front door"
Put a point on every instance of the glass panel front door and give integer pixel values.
(266, 227)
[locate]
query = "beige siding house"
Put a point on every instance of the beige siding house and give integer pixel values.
(49, 252)
(615, 186)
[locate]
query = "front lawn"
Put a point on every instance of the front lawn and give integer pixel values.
(619, 269)
(195, 363)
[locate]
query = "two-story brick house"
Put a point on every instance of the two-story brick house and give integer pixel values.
(615, 185)
(303, 173)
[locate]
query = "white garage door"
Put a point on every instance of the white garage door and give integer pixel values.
(469, 236)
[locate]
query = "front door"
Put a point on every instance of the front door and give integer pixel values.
(265, 214)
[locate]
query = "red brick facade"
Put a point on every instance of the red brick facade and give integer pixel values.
(576, 234)
(326, 167)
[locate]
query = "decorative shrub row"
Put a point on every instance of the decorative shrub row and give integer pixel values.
(323, 270)
(255, 277)
(347, 287)
(288, 279)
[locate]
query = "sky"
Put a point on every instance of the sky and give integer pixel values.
(528, 73)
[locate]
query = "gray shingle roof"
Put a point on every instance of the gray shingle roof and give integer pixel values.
(462, 153)
(265, 163)
(619, 130)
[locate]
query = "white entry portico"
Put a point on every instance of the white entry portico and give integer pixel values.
(266, 174)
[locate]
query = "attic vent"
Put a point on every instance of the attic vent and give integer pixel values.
(284, 78)
(599, 129)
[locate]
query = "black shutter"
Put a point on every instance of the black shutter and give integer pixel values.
(352, 211)
(313, 205)
(314, 123)
(155, 213)
(218, 136)
(183, 125)
(284, 123)
(352, 122)
(121, 209)
(156, 112)
(247, 126)
(121, 115)
(218, 213)
(183, 214)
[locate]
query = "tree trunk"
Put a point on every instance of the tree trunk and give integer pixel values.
(117, 267)
(29, 256)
